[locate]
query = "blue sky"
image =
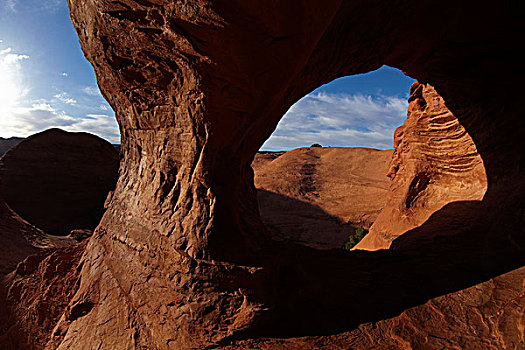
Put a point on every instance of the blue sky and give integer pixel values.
(46, 82)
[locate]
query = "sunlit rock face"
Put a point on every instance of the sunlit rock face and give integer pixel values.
(181, 259)
(435, 162)
(319, 196)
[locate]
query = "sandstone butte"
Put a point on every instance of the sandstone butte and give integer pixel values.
(181, 258)
(319, 196)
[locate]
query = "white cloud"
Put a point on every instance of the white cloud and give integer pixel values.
(9, 58)
(10, 5)
(17, 119)
(25, 121)
(32, 6)
(64, 97)
(52, 5)
(103, 108)
(100, 124)
(90, 90)
(339, 120)
(64, 74)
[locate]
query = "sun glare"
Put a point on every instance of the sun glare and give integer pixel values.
(11, 87)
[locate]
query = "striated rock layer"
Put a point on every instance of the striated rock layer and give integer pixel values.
(58, 181)
(319, 196)
(435, 162)
(181, 258)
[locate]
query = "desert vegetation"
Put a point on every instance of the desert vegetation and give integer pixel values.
(355, 238)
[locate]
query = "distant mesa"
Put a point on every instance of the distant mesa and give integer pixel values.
(7, 144)
(58, 181)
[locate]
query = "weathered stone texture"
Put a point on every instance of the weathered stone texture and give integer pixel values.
(181, 259)
(435, 162)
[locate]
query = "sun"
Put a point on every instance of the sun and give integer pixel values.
(11, 87)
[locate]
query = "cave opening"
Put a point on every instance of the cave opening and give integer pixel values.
(329, 169)
(167, 266)
(322, 175)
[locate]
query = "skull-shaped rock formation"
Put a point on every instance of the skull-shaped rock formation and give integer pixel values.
(181, 259)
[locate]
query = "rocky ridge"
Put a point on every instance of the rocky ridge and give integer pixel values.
(7, 144)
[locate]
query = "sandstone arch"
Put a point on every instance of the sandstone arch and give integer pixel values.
(197, 87)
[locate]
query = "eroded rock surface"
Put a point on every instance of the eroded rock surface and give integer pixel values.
(181, 258)
(435, 162)
(319, 196)
(18, 239)
(485, 316)
(58, 181)
(36, 294)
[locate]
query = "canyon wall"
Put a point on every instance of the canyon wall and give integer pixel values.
(181, 258)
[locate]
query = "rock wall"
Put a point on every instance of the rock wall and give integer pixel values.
(485, 316)
(181, 259)
(35, 295)
(435, 162)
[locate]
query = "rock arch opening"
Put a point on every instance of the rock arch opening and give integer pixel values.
(322, 174)
(181, 258)
(320, 196)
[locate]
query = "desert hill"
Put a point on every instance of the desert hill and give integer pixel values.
(51, 182)
(58, 181)
(320, 195)
(6, 144)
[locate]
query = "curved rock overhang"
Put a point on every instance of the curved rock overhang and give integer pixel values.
(181, 258)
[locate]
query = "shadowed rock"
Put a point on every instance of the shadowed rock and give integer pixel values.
(181, 258)
(7, 144)
(58, 181)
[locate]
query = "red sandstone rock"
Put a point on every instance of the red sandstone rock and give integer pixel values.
(19, 239)
(58, 181)
(485, 316)
(319, 196)
(36, 294)
(181, 259)
(435, 162)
